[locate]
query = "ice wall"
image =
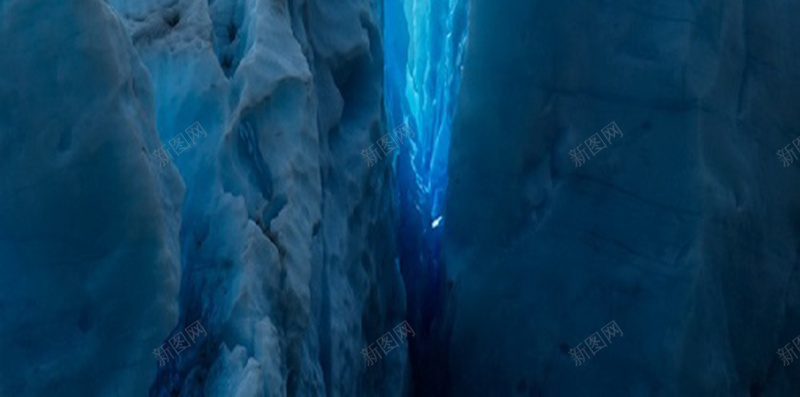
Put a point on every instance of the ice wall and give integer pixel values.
(89, 251)
(270, 231)
(287, 242)
(684, 231)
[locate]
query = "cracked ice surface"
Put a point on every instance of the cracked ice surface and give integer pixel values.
(284, 237)
(278, 236)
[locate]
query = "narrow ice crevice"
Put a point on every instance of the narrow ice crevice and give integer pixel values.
(424, 54)
(424, 50)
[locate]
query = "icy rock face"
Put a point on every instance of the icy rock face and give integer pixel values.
(287, 236)
(683, 231)
(89, 253)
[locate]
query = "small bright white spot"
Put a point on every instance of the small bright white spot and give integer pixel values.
(436, 221)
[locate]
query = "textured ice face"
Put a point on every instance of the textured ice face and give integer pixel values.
(89, 252)
(286, 236)
(682, 231)
(281, 243)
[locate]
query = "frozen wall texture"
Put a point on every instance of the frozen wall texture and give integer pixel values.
(684, 231)
(270, 230)
(89, 253)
